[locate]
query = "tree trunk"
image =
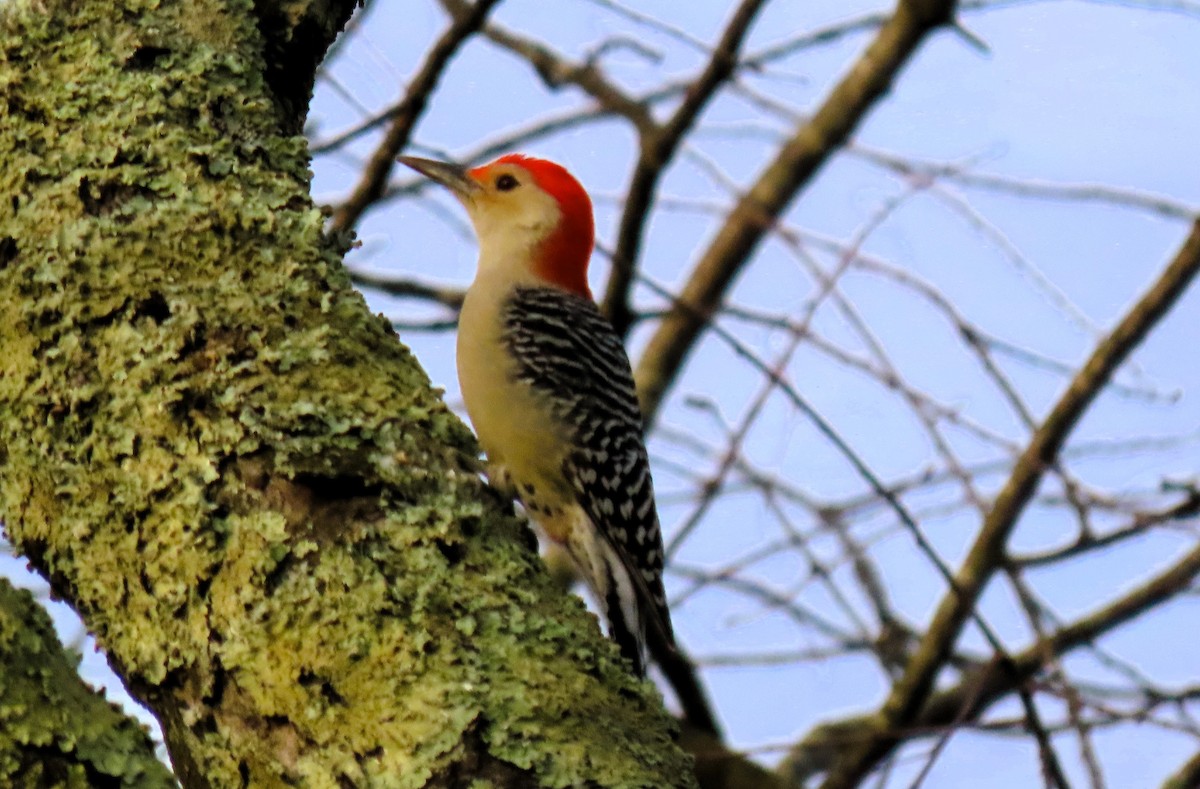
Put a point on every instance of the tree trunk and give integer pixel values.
(231, 469)
(54, 729)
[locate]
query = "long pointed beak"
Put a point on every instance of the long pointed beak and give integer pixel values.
(451, 176)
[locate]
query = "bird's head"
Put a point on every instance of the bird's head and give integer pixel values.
(527, 212)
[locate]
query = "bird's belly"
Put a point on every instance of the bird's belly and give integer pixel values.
(524, 443)
(525, 454)
(515, 433)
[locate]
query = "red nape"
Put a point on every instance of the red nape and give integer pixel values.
(563, 256)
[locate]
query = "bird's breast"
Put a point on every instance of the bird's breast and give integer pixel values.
(515, 425)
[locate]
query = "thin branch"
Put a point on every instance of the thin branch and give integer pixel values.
(658, 147)
(811, 38)
(556, 70)
(466, 20)
(402, 286)
(945, 707)
(986, 556)
(1027, 187)
(793, 166)
(550, 124)
(877, 486)
(948, 732)
(1035, 614)
(671, 31)
(775, 371)
(771, 598)
(1188, 507)
(909, 280)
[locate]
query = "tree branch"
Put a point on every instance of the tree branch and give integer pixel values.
(466, 19)
(793, 167)
(446, 295)
(981, 686)
(657, 149)
(556, 71)
(986, 556)
(55, 726)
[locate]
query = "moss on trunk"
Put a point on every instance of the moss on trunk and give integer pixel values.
(235, 472)
(54, 729)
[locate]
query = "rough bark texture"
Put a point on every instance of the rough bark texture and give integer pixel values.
(54, 729)
(235, 472)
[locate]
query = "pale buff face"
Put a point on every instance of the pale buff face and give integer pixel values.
(533, 219)
(510, 220)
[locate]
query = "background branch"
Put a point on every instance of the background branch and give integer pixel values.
(986, 556)
(793, 165)
(466, 19)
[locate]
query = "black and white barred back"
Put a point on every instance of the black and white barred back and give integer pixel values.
(565, 348)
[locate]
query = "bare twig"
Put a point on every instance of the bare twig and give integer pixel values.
(556, 70)
(653, 23)
(945, 707)
(893, 502)
(1028, 187)
(402, 286)
(775, 371)
(467, 18)
(657, 149)
(1188, 507)
(987, 554)
(792, 167)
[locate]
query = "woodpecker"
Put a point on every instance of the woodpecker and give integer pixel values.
(549, 389)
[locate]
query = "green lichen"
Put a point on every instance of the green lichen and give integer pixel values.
(232, 469)
(54, 730)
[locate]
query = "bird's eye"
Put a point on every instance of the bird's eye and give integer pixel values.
(506, 182)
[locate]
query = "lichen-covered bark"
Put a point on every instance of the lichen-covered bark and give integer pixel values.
(235, 472)
(296, 35)
(55, 730)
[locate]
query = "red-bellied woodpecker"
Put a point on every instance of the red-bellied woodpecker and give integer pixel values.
(549, 389)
